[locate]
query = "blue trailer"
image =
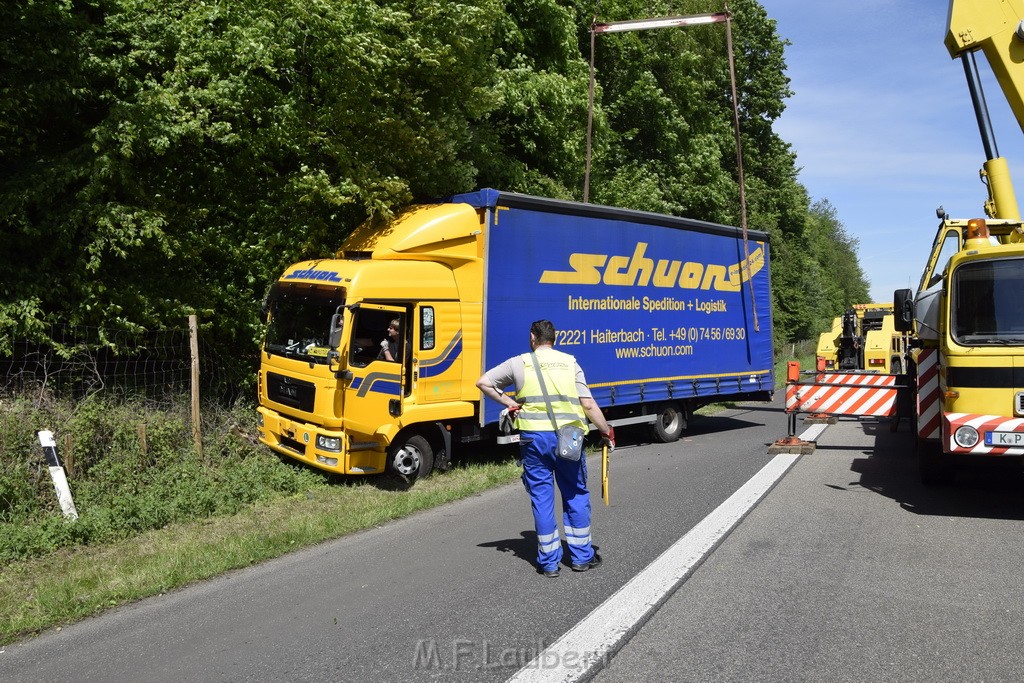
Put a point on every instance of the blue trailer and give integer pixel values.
(664, 314)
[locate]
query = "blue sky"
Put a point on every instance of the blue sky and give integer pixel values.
(883, 128)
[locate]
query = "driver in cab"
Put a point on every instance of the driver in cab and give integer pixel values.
(389, 346)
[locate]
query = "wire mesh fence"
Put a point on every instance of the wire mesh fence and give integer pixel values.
(77, 361)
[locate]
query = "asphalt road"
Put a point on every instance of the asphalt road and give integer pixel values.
(848, 570)
(446, 595)
(851, 570)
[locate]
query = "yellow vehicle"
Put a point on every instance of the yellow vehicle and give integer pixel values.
(865, 339)
(371, 358)
(967, 314)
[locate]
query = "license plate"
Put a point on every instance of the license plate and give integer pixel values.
(1004, 438)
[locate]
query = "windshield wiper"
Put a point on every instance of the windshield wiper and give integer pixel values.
(288, 351)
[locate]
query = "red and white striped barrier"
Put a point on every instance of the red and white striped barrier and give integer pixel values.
(862, 395)
(929, 404)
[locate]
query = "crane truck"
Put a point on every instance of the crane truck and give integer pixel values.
(864, 339)
(967, 314)
(665, 314)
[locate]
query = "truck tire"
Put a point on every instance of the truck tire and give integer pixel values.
(934, 466)
(669, 423)
(411, 457)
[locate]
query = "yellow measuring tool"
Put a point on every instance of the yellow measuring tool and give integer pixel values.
(604, 473)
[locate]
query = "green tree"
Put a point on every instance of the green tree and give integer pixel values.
(48, 103)
(533, 141)
(835, 252)
(167, 158)
(227, 139)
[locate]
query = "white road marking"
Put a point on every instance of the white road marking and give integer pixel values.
(589, 645)
(813, 432)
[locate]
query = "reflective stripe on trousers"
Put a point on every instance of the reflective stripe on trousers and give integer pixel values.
(542, 470)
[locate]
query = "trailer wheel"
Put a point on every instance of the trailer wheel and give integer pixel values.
(411, 458)
(934, 466)
(669, 424)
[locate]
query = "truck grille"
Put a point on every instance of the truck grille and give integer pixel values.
(288, 391)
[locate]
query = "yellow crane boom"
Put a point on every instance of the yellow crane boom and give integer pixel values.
(995, 28)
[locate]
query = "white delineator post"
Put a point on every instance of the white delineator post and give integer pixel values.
(60, 480)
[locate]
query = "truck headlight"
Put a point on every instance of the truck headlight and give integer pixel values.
(328, 443)
(966, 436)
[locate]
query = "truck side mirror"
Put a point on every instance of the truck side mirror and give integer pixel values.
(903, 310)
(336, 328)
(334, 341)
(265, 306)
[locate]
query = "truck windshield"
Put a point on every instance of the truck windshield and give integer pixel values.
(987, 306)
(300, 320)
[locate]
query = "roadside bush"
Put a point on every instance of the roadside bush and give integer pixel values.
(23, 480)
(131, 468)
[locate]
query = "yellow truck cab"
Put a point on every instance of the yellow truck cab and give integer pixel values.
(968, 322)
(352, 414)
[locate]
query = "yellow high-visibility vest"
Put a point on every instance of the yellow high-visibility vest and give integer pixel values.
(560, 380)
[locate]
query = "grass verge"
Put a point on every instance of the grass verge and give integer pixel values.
(72, 584)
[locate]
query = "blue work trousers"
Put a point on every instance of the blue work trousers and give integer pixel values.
(542, 469)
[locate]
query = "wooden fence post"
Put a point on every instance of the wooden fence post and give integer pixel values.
(193, 334)
(143, 442)
(69, 455)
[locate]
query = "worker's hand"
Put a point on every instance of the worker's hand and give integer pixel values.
(608, 438)
(384, 345)
(507, 419)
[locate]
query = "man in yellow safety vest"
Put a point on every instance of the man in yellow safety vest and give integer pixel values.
(564, 388)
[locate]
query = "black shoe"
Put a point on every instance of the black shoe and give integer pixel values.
(551, 573)
(594, 563)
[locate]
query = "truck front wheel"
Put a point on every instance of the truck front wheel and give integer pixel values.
(669, 423)
(411, 457)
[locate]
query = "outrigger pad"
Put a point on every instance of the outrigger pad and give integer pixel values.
(793, 445)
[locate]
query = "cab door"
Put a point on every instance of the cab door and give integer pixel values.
(373, 394)
(439, 350)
